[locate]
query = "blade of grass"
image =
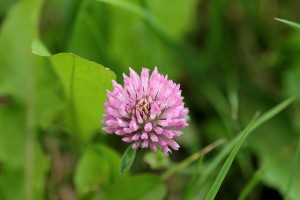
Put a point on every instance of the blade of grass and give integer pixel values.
(211, 167)
(274, 111)
(255, 122)
(225, 168)
(191, 159)
(216, 161)
(220, 103)
(289, 23)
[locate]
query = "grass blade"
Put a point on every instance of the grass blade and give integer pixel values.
(289, 23)
(271, 113)
(216, 161)
(225, 168)
(255, 122)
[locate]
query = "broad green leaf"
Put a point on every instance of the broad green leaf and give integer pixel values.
(142, 187)
(28, 82)
(272, 162)
(127, 159)
(289, 23)
(98, 166)
(84, 83)
(285, 178)
(279, 175)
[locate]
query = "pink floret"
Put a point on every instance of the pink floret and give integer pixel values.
(147, 111)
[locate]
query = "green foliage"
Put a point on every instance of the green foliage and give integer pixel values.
(127, 159)
(84, 83)
(24, 82)
(137, 187)
(230, 59)
(158, 35)
(255, 122)
(98, 166)
(157, 160)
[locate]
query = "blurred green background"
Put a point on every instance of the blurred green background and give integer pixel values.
(231, 58)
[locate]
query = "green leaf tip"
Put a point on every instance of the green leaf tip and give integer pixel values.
(127, 159)
(38, 48)
(289, 23)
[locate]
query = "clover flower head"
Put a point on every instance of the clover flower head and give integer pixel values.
(147, 111)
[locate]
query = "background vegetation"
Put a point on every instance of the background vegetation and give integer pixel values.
(232, 59)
